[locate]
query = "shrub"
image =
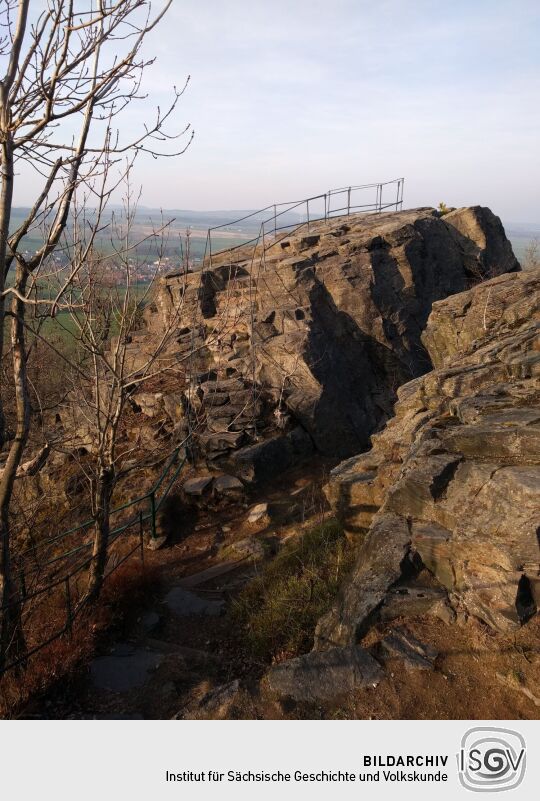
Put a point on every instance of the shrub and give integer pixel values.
(278, 610)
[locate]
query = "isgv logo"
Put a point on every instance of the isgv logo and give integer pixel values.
(491, 759)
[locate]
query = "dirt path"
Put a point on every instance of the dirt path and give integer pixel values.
(182, 643)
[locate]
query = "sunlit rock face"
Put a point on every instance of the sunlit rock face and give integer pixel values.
(453, 481)
(322, 328)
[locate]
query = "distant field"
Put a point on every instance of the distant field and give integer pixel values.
(520, 235)
(173, 237)
(63, 327)
(232, 234)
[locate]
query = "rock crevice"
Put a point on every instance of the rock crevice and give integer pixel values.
(454, 478)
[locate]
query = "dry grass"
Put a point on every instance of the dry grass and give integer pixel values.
(277, 611)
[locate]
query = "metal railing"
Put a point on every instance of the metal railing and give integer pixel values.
(342, 202)
(50, 578)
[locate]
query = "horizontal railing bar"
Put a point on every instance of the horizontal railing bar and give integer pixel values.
(123, 559)
(27, 654)
(241, 219)
(295, 225)
(170, 485)
(120, 529)
(88, 523)
(292, 204)
(114, 536)
(295, 203)
(164, 474)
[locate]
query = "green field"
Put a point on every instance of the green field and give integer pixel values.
(170, 242)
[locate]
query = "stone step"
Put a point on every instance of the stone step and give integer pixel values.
(233, 410)
(212, 399)
(228, 385)
(223, 441)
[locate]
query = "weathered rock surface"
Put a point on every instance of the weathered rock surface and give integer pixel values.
(228, 485)
(411, 601)
(401, 645)
(258, 513)
(324, 676)
(319, 329)
(197, 485)
(269, 458)
(453, 481)
(215, 704)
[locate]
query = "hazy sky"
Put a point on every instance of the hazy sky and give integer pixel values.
(291, 97)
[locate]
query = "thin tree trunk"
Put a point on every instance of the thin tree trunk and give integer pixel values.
(6, 199)
(102, 530)
(11, 635)
(7, 173)
(10, 630)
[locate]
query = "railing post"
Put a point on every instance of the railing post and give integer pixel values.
(325, 211)
(153, 513)
(69, 609)
(275, 221)
(307, 213)
(348, 201)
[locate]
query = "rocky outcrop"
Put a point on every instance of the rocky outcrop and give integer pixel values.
(452, 484)
(312, 678)
(318, 328)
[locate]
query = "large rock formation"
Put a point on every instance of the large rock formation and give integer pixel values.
(453, 481)
(320, 327)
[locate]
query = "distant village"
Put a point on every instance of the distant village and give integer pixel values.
(141, 271)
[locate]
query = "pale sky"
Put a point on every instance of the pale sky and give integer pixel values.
(291, 97)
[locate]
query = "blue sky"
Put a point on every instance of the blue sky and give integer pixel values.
(290, 98)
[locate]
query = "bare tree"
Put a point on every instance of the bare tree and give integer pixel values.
(114, 357)
(106, 310)
(68, 74)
